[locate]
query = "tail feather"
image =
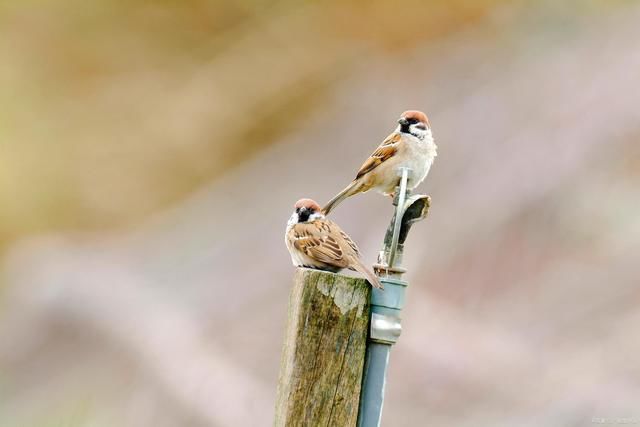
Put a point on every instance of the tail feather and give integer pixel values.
(350, 190)
(368, 274)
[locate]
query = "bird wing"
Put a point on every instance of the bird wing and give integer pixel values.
(350, 242)
(318, 241)
(386, 150)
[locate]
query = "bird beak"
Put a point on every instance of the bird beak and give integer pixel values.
(403, 121)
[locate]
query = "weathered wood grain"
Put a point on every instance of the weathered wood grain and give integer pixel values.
(324, 349)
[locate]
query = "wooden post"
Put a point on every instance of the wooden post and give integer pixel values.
(324, 350)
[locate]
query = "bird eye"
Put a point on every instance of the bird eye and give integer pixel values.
(297, 210)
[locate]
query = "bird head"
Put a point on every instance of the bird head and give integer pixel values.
(415, 123)
(306, 210)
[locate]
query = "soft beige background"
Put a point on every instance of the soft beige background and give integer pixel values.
(151, 153)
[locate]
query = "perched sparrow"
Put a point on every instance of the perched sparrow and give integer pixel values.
(410, 145)
(316, 242)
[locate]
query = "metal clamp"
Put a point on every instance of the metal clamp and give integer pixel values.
(385, 329)
(386, 306)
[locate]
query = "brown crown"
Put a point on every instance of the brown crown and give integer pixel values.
(418, 115)
(307, 203)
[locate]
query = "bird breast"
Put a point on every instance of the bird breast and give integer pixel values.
(419, 159)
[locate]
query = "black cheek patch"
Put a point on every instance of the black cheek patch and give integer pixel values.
(303, 216)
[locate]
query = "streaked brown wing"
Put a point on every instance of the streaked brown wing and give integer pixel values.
(387, 149)
(315, 240)
(350, 242)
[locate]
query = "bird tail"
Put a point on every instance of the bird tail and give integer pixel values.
(368, 274)
(350, 190)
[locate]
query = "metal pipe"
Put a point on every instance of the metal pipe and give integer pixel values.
(385, 322)
(387, 304)
(384, 332)
(402, 194)
(372, 395)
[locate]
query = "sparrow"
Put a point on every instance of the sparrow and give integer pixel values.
(316, 242)
(411, 145)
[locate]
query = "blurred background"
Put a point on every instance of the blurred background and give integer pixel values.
(150, 154)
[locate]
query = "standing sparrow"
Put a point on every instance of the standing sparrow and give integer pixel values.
(410, 145)
(316, 242)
